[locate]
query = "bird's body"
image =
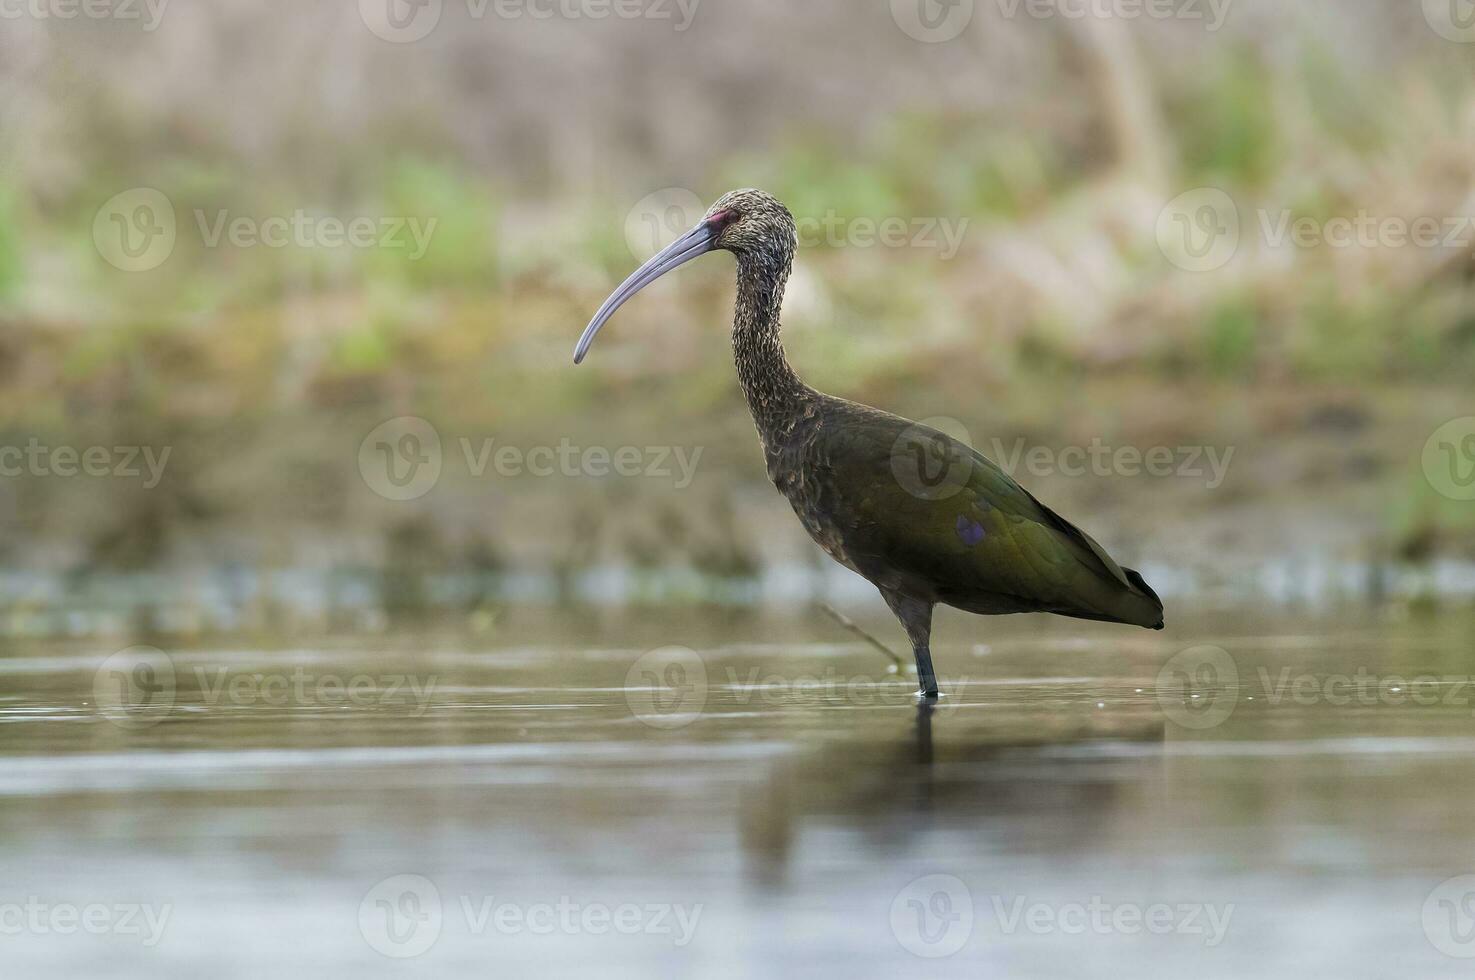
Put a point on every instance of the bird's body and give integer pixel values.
(982, 544)
(920, 515)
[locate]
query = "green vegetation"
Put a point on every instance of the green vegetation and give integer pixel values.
(264, 366)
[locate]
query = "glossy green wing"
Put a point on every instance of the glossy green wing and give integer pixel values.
(933, 508)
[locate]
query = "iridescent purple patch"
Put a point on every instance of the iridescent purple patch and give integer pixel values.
(970, 532)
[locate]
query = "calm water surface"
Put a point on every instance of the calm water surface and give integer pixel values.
(1288, 802)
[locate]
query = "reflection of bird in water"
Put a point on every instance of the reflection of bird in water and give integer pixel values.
(948, 777)
(917, 513)
(925, 708)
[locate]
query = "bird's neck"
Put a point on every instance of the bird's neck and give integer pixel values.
(775, 395)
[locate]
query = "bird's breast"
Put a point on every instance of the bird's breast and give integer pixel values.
(804, 496)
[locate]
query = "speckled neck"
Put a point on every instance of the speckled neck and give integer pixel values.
(776, 397)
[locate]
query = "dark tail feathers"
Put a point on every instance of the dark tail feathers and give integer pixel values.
(1141, 585)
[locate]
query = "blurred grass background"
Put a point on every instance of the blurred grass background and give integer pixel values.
(1060, 320)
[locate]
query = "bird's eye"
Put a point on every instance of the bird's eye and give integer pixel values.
(723, 218)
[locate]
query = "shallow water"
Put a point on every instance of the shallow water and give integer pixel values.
(1285, 802)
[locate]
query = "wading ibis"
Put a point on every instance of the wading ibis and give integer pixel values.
(920, 515)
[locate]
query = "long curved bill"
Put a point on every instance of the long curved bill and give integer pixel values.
(694, 243)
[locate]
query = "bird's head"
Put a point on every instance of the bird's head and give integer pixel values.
(752, 225)
(750, 222)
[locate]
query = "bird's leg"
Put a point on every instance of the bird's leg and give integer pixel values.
(916, 618)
